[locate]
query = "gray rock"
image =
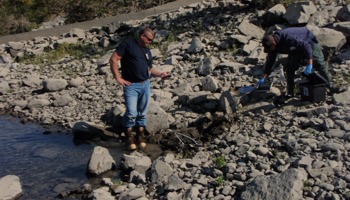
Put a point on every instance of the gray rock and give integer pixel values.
(196, 46)
(137, 178)
(343, 27)
(274, 15)
(299, 12)
(75, 82)
(52, 85)
(175, 183)
(16, 45)
(101, 193)
(336, 133)
(210, 84)
(228, 103)
(327, 37)
(136, 161)
(198, 97)
(38, 103)
(161, 171)
(101, 161)
(328, 171)
(320, 18)
(4, 71)
(207, 66)
(262, 150)
(163, 98)
(192, 193)
(305, 161)
(342, 98)
(274, 187)
(332, 146)
(156, 118)
(250, 30)
(69, 40)
(4, 87)
(62, 100)
(76, 32)
(344, 13)
(10, 187)
(32, 81)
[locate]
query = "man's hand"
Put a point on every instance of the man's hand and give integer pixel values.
(261, 82)
(164, 75)
(123, 82)
(308, 69)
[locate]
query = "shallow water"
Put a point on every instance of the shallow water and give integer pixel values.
(46, 160)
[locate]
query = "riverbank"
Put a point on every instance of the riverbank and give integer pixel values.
(224, 145)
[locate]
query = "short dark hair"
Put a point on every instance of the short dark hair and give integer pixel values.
(267, 42)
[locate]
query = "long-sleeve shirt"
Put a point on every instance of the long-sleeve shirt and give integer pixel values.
(296, 40)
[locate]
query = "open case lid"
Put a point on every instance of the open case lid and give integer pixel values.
(315, 78)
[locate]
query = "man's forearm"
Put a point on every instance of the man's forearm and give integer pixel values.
(115, 71)
(155, 72)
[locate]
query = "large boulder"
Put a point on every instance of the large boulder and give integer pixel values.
(328, 38)
(157, 118)
(299, 12)
(288, 185)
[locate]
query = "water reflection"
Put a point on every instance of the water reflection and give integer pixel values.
(45, 159)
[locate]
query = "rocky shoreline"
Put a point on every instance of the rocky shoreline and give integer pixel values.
(224, 144)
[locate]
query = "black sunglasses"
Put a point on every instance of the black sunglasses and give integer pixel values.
(149, 39)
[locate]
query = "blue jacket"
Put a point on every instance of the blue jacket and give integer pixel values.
(296, 40)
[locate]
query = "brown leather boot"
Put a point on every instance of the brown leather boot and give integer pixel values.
(141, 137)
(130, 139)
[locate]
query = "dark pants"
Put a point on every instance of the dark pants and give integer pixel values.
(294, 61)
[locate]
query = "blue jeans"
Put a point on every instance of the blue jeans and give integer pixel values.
(136, 97)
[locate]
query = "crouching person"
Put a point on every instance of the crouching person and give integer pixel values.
(299, 44)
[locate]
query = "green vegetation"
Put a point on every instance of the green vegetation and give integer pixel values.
(75, 50)
(17, 16)
(220, 181)
(117, 182)
(23, 15)
(347, 194)
(188, 153)
(307, 184)
(220, 161)
(171, 37)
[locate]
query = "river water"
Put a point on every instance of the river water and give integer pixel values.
(46, 160)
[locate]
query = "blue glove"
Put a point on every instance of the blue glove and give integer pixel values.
(308, 69)
(261, 82)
